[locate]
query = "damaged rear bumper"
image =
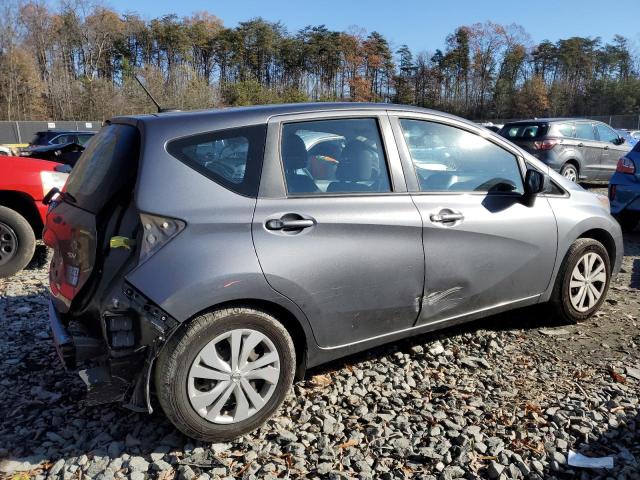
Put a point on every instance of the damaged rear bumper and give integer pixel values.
(117, 366)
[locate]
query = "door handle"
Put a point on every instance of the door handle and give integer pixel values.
(288, 224)
(446, 217)
(581, 144)
(606, 147)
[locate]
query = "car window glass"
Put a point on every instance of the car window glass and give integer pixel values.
(585, 131)
(231, 157)
(448, 159)
(334, 156)
(524, 131)
(606, 134)
(60, 139)
(83, 139)
(564, 129)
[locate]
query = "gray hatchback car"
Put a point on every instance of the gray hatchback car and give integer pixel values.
(579, 149)
(212, 256)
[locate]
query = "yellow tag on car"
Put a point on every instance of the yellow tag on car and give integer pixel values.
(122, 242)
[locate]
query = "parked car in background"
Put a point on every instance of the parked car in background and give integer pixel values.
(578, 149)
(23, 184)
(635, 134)
(494, 127)
(624, 190)
(626, 134)
(59, 137)
(199, 251)
(67, 153)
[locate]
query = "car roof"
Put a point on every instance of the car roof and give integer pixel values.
(262, 113)
(551, 120)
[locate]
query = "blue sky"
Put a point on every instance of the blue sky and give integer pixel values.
(423, 25)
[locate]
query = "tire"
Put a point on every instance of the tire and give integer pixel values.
(179, 391)
(17, 242)
(628, 221)
(570, 171)
(563, 296)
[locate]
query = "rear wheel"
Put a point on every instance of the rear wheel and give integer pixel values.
(225, 373)
(17, 242)
(628, 221)
(582, 282)
(570, 171)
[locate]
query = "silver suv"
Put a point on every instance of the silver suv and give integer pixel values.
(212, 256)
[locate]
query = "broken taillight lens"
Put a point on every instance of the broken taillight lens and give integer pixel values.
(156, 232)
(626, 165)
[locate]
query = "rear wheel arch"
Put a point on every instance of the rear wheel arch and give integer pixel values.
(25, 205)
(283, 315)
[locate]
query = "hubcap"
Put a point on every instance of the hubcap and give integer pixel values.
(571, 174)
(8, 243)
(233, 376)
(588, 280)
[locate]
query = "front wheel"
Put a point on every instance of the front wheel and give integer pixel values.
(570, 171)
(582, 282)
(17, 242)
(225, 373)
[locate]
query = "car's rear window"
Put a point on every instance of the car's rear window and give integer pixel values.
(108, 165)
(524, 131)
(232, 157)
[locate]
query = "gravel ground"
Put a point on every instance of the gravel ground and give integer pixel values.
(505, 397)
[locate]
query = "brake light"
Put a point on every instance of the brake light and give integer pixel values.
(156, 232)
(626, 165)
(545, 144)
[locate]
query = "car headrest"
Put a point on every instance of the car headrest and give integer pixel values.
(294, 153)
(356, 163)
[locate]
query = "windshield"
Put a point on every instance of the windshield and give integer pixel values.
(107, 166)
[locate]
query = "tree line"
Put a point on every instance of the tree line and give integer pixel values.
(78, 61)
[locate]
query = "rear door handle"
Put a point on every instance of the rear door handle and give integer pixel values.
(444, 217)
(286, 224)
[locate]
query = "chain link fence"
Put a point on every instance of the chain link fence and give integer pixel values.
(23, 132)
(629, 122)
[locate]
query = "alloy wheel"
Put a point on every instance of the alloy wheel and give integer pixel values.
(233, 376)
(8, 243)
(588, 281)
(570, 173)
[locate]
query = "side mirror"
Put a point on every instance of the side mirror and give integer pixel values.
(620, 141)
(533, 182)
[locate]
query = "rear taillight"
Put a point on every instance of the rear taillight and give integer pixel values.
(626, 165)
(156, 232)
(545, 144)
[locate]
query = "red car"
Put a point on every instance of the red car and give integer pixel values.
(23, 184)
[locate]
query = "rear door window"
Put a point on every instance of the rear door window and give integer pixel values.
(585, 131)
(107, 166)
(334, 156)
(231, 158)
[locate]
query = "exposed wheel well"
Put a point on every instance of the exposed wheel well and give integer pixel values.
(285, 317)
(25, 206)
(605, 239)
(573, 162)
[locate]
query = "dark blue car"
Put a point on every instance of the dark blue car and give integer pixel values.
(624, 190)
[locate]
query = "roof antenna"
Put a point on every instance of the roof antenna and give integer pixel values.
(160, 109)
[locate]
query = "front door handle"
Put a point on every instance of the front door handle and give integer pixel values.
(446, 217)
(289, 224)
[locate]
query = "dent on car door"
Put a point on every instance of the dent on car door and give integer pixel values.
(486, 245)
(344, 242)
